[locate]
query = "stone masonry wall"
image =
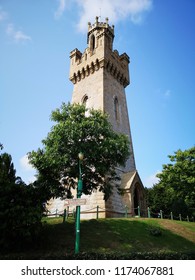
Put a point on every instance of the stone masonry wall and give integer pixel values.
(101, 75)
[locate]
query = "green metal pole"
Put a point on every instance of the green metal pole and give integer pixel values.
(126, 208)
(148, 212)
(78, 208)
(97, 216)
(171, 215)
(138, 211)
(77, 241)
(161, 214)
(64, 216)
(78, 211)
(67, 213)
(73, 213)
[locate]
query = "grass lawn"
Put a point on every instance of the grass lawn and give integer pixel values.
(114, 236)
(134, 235)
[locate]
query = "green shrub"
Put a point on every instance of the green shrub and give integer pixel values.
(20, 216)
(155, 231)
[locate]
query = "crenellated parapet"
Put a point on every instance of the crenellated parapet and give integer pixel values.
(83, 65)
(100, 26)
(117, 66)
(83, 69)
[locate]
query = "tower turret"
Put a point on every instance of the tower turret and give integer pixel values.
(99, 54)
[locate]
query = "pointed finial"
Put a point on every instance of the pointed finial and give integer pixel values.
(89, 25)
(107, 20)
(96, 20)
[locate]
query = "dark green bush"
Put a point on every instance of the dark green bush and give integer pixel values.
(155, 231)
(110, 256)
(134, 256)
(20, 208)
(20, 216)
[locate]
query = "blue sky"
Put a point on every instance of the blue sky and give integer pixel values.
(36, 38)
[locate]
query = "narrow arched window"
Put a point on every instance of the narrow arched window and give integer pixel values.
(85, 103)
(92, 43)
(85, 100)
(116, 108)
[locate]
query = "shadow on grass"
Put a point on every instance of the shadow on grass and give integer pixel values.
(107, 239)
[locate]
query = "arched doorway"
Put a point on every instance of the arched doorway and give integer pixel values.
(136, 199)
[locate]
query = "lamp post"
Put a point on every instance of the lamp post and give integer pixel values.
(78, 209)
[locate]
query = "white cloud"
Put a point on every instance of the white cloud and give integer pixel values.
(27, 171)
(3, 15)
(115, 10)
(60, 9)
(24, 163)
(16, 35)
(31, 179)
(164, 95)
(151, 180)
(20, 36)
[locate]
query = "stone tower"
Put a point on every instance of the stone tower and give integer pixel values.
(100, 76)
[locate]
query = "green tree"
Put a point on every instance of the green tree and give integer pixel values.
(180, 175)
(160, 198)
(20, 207)
(7, 171)
(175, 191)
(78, 129)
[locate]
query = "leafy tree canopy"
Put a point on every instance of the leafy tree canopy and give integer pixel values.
(175, 191)
(20, 207)
(180, 175)
(78, 129)
(7, 171)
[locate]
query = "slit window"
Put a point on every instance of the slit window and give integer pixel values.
(116, 108)
(92, 43)
(85, 100)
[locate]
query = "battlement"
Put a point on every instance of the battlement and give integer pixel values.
(115, 64)
(98, 55)
(100, 25)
